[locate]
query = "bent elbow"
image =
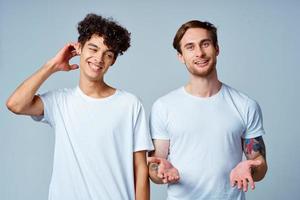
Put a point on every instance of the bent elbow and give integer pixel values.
(13, 107)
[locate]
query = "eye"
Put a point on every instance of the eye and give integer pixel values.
(92, 49)
(205, 44)
(109, 55)
(190, 47)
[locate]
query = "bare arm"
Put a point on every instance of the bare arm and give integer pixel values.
(255, 149)
(142, 188)
(24, 99)
(252, 169)
(160, 170)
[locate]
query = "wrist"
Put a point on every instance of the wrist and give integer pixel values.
(50, 66)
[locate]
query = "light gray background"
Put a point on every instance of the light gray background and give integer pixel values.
(259, 43)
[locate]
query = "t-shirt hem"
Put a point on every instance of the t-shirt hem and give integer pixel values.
(143, 149)
(254, 135)
(159, 138)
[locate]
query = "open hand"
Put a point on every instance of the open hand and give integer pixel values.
(165, 170)
(241, 175)
(61, 60)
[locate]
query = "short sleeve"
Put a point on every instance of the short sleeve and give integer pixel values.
(142, 139)
(49, 102)
(158, 122)
(254, 120)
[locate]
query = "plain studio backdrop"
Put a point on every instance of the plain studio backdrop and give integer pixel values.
(259, 56)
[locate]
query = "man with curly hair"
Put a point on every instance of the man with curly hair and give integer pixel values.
(101, 136)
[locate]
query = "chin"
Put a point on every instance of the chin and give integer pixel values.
(204, 73)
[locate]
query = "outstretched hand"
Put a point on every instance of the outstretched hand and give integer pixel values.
(165, 170)
(241, 175)
(61, 60)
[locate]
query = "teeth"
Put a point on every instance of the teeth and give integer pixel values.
(94, 67)
(201, 62)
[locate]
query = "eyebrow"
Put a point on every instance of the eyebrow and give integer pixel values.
(204, 40)
(95, 46)
(92, 45)
(188, 44)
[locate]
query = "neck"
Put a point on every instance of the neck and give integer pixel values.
(203, 86)
(96, 89)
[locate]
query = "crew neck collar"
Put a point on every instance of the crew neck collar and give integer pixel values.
(213, 97)
(89, 98)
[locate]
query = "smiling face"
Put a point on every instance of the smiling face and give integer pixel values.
(95, 59)
(198, 52)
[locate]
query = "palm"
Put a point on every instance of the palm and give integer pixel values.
(241, 174)
(166, 171)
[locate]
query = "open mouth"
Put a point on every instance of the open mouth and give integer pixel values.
(95, 67)
(201, 63)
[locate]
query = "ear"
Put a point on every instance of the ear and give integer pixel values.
(113, 62)
(78, 48)
(217, 49)
(180, 58)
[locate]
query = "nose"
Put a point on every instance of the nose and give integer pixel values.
(199, 52)
(98, 57)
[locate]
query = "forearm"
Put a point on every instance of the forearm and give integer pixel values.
(259, 172)
(153, 167)
(23, 96)
(254, 149)
(142, 187)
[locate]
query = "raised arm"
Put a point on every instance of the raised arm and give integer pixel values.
(161, 171)
(252, 169)
(24, 99)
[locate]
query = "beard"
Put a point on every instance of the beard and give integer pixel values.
(203, 73)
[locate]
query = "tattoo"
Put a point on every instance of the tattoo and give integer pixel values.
(253, 147)
(154, 167)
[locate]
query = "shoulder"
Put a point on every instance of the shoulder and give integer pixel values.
(170, 97)
(241, 99)
(128, 97)
(57, 93)
(238, 95)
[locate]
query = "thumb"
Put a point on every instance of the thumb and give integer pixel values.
(255, 162)
(74, 66)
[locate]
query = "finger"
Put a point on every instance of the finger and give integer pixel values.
(71, 47)
(74, 66)
(232, 181)
(160, 175)
(176, 173)
(175, 179)
(170, 178)
(165, 180)
(239, 184)
(245, 185)
(77, 47)
(251, 182)
(161, 172)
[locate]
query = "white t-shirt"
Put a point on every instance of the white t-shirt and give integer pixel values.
(205, 139)
(94, 144)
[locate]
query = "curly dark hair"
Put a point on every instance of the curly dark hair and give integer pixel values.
(116, 37)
